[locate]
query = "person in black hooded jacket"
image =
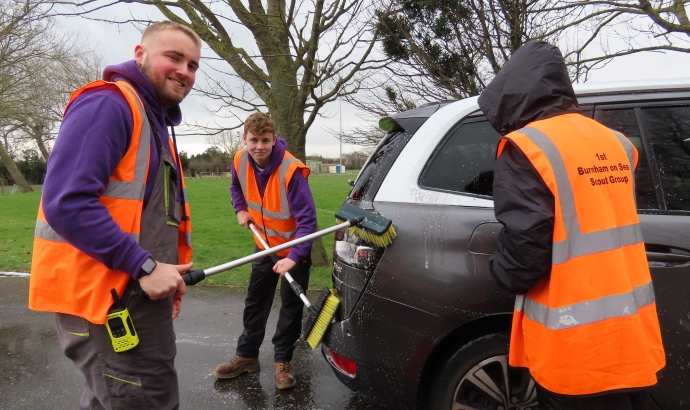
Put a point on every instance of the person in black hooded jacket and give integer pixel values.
(533, 85)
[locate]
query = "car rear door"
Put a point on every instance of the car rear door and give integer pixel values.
(661, 134)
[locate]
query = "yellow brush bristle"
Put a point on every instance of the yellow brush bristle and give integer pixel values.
(383, 240)
(323, 320)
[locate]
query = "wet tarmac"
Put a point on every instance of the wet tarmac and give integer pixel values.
(35, 375)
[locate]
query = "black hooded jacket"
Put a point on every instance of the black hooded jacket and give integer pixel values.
(533, 85)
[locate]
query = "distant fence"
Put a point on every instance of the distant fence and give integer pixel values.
(213, 175)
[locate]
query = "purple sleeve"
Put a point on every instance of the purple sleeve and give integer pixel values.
(238, 201)
(93, 137)
(302, 207)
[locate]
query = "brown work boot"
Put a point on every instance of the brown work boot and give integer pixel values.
(236, 366)
(285, 378)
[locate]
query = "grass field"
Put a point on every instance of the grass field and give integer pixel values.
(217, 236)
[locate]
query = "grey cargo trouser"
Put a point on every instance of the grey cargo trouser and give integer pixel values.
(145, 376)
(141, 378)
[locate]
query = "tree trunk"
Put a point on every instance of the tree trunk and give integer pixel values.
(319, 258)
(13, 170)
(38, 137)
(290, 126)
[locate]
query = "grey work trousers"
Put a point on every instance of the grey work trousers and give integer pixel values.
(141, 378)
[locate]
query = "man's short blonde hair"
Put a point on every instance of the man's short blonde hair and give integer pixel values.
(259, 123)
(159, 26)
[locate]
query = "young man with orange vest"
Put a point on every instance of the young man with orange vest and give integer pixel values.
(114, 215)
(269, 188)
(585, 322)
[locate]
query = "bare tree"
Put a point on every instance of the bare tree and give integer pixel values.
(304, 55)
(9, 163)
(364, 136)
(39, 67)
(606, 29)
(78, 65)
(23, 52)
(449, 50)
(226, 141)
(356, 159)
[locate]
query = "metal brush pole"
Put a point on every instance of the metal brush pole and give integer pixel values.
(294, 285)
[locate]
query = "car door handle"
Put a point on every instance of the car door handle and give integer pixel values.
(661, 259)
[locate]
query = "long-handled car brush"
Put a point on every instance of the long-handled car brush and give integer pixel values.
(320, 314)
(371, 227)
(374, 228)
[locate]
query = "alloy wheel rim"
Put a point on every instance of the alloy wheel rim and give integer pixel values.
(492, 384)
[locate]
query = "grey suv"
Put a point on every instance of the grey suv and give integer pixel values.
(422, 324)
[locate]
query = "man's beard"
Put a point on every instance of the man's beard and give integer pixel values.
(167, 97)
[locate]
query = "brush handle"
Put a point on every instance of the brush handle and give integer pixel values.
(297, 289)
(271, 251)
(192, 277)
(293, 284)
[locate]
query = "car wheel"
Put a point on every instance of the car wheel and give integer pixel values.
(478, 377)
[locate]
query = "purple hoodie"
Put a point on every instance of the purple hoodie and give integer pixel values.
(94, 135)
(299, 198)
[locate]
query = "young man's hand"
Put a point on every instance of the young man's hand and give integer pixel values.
(243, 218)
(283, 266)
(177, 306)
(165, 281)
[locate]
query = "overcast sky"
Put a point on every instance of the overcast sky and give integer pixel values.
(116, 45)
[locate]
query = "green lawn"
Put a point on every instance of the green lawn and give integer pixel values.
(217, 236)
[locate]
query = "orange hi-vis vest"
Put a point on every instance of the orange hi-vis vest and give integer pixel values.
(591, 325)
(66, 280)
(271, 213)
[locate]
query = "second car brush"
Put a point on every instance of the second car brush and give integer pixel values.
(320, 314)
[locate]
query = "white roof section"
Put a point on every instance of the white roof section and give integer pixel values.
(632, 86)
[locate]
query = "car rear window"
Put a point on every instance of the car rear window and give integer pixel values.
(377, 167)
(464, 161)
(401, 127)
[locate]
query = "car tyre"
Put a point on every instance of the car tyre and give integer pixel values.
(478, 377)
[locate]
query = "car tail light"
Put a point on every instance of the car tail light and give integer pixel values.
(352, 250)
(344, 364)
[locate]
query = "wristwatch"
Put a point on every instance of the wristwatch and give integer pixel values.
(148, 267)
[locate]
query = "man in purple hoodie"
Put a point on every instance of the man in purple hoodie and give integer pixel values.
(85, 177)
(269, 188)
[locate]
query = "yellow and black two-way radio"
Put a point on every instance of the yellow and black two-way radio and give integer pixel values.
(120, 326)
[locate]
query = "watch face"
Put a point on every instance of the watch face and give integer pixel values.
(148, 266)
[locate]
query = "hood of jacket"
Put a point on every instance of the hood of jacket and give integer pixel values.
(533, 85)
(276, 159)
(130, 73)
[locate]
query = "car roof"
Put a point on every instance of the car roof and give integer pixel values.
(411, 120)
(632, 86)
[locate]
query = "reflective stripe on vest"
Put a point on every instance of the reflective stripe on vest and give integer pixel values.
(284, 205)
(44, 231)
(118, 189)
(58, 268)
(270, 210)
(584, 313)
(578, 244)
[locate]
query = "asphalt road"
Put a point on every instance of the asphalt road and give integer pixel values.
(35, 375)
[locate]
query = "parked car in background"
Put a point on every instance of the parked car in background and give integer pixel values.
(422, 324)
